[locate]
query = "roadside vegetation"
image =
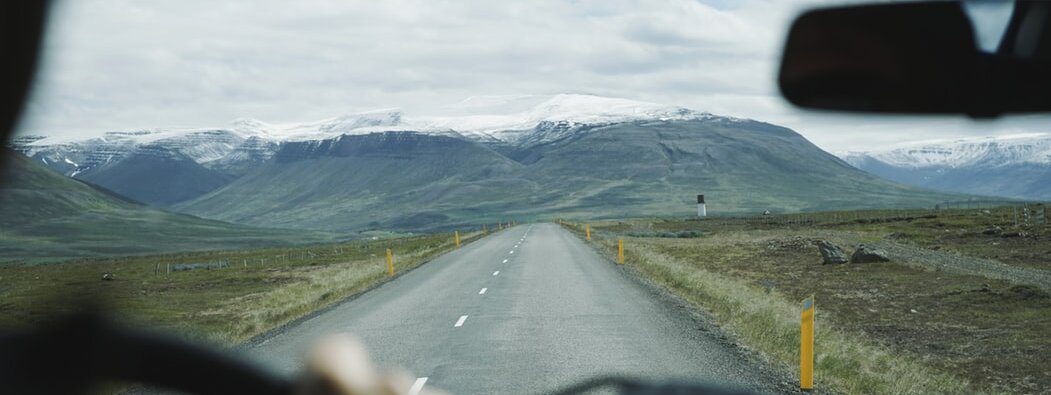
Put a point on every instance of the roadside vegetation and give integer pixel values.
(941, 317)
(220, 296)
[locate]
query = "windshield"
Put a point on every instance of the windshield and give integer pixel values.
(517, 197)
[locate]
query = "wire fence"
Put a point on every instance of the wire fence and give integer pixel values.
(1011, 213)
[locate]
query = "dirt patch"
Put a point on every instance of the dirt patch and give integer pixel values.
(948, 261)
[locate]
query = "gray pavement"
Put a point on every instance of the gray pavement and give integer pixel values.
(553, 313)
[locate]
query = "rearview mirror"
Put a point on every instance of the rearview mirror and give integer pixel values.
(919, 58)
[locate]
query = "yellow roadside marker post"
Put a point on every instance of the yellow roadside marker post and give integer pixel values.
(587, 232)
(806, 345)
(390, 263)
(456, 235)
(620, 251)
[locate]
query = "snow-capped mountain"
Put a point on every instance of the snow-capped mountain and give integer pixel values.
(1017, 166)
(224, 153)
(501, 118)
(1033, 148)
(481, 159)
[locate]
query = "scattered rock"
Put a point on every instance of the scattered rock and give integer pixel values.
(993, 231)
(831, 253)
(898, 236)
(107, 276)
(1014, 234)
(768, 285)
(913, 311)
(788, 244)
(866, 255)
(1028, 292)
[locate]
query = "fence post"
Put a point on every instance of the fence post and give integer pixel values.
(620, 251)
(587, 232)
(806, 345)
(456, 236)
(390, 263)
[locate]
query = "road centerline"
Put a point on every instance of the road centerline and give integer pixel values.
(417, 386)
(528, 331)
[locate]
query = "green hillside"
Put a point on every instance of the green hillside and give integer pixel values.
(419, 181)
(44, 215)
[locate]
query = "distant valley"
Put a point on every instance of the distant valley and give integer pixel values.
(44, 216)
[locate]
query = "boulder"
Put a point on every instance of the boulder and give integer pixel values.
(831, 253)
(107, 276)
(996, 230)
(867, 254)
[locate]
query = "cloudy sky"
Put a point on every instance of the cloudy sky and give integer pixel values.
(122, 64)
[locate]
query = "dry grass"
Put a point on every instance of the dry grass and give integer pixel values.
(260, 290)
(730, 275)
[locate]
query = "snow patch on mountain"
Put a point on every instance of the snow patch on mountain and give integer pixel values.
(502, 118)
(563, 109)
(320, 130)
(485, 117)
(1028, 148)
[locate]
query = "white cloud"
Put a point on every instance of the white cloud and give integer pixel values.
(118, 64)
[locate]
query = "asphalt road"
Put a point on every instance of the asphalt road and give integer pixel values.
(527, 310)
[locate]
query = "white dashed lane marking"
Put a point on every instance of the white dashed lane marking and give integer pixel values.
(460, 321)
(505, 261)
(482, 292)
(417, 386)
(496, 272)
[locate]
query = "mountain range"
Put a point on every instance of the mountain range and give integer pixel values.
(483, 160)
(1016, 166)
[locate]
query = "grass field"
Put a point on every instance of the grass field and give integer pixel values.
(905, 326)
(231, 297)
